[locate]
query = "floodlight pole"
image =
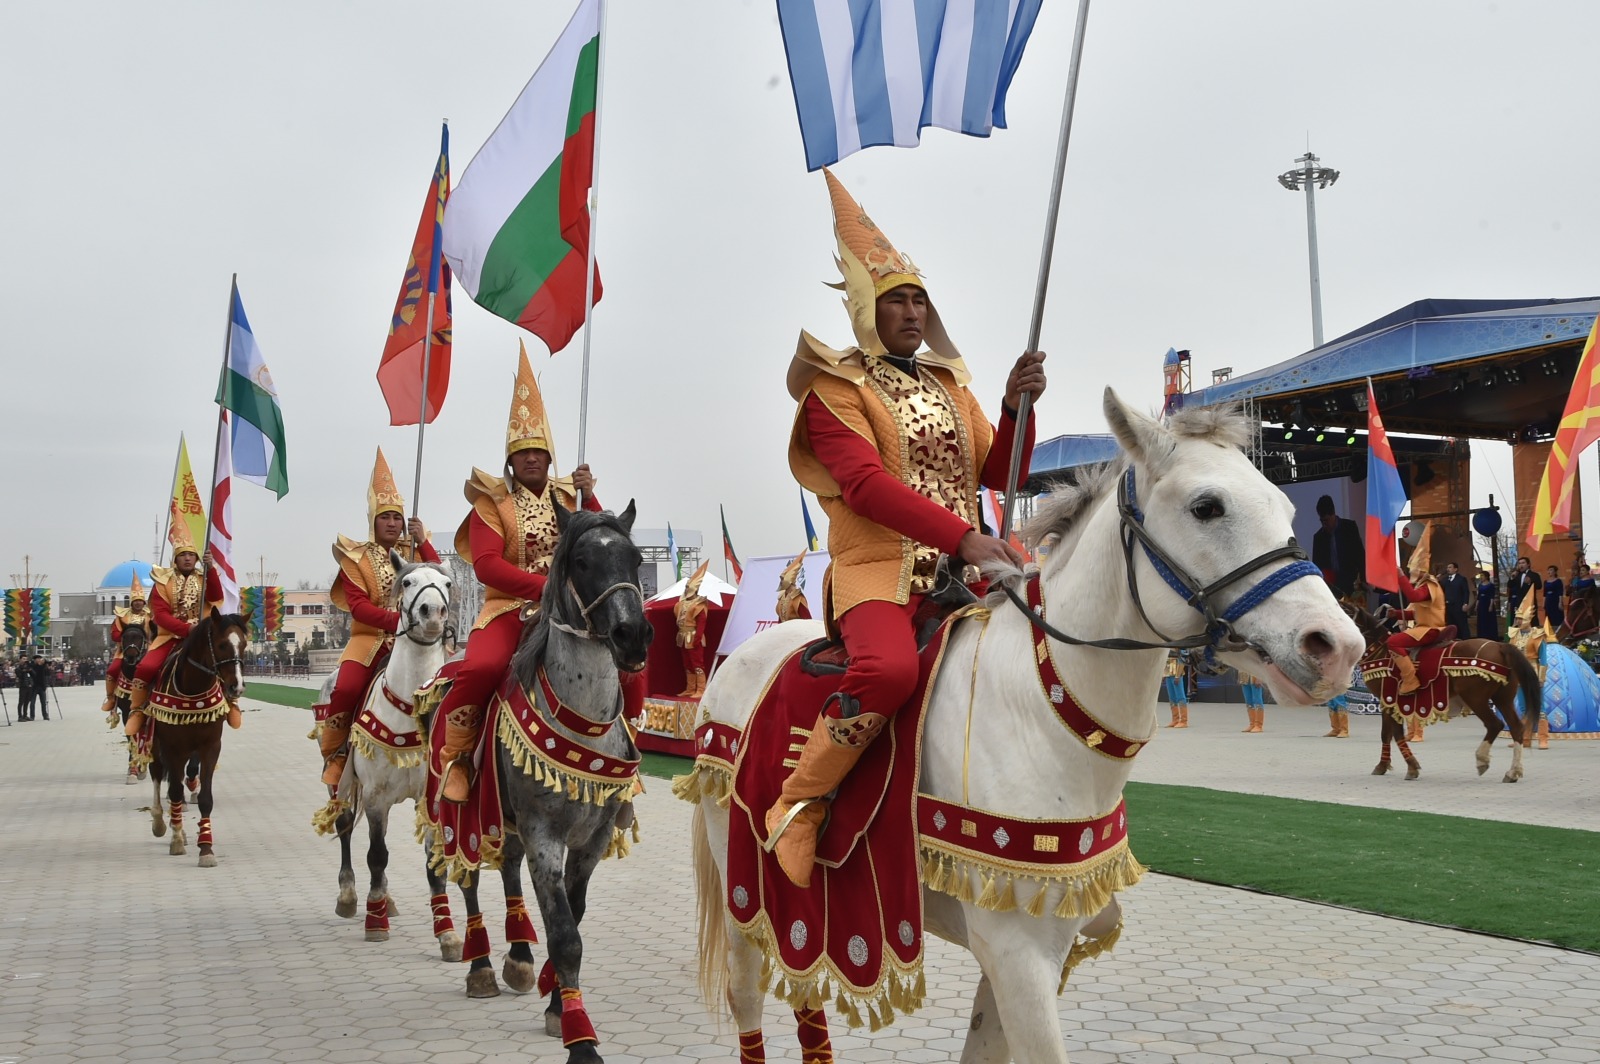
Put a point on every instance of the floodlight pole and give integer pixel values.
(1311, 177)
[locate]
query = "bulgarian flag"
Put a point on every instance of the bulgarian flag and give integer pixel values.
(520, 251)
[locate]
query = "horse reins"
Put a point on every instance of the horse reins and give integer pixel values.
(1219, 632)
(216, 664)
(585, 610)
(447, 632)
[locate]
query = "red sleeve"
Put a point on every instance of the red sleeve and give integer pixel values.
(363, 609)
(116, 630)
(488, 563)
(868, 488)
(998, 466)
(213, 588)
(427, 553)
(166, 620)
(1412, 593)
(591, 503)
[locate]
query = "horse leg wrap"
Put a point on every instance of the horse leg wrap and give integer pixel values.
(815, 1046)
(378, 914)
(204, 838)
(547, 978)
(477, 944)
(575, 1025)
(175, 814)
(440, 904)
(519, 928)
(752, 1047)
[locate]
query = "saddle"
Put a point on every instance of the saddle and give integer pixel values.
(1437, 663)
(827, 657)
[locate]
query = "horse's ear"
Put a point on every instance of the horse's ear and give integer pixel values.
(215, 613)
(395, 560)
(625, 518)
(1140, 435)
(563, 518)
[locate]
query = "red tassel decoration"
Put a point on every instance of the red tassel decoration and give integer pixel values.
(477, 944)
(519, 928)
(378, 914)
(752, 1047)
(575, 1025)
(441, 914)
(815, 1046)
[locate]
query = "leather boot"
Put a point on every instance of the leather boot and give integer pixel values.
(1183, 715)
(111, 694)
(1408, 673)
(461, 731)
(235, 718)
(332, 737)
(1250, 720)
(1333, 724)
(1544, 733)
(136, 703)
(1344, 724)
(688, 685)
(1258, 719)
(698, 684)
(830, 752)
(1414, 731)
(1177, 717)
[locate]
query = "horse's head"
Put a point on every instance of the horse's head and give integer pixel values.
(135, 638)
(594, 582)
(422, 595)
(1212, 543)
(225, 637)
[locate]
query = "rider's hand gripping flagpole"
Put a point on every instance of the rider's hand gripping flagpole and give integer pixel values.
(1025, 403)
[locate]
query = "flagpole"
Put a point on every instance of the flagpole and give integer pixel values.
(594, 228)
(434, 271)
(1025, 403)
(222, 412)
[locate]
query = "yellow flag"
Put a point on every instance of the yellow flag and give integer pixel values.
(186, 506)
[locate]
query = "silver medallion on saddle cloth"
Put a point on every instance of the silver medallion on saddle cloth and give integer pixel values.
(1436, 665)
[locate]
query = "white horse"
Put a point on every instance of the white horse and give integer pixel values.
(388, 752)
(1186, 495)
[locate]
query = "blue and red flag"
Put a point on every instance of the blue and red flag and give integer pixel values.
(400, 371)
(812, 542)
(1386, 501)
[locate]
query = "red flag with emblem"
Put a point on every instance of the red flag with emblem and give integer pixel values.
(427, 277)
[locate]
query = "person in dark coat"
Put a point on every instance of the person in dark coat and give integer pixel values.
(1457, 593)
(1555, 613)
(1517, 586)
(1488, 607)
(1336, 549)
(41, 686)
(25, 690)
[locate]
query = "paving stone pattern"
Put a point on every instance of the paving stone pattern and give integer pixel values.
(112, 950)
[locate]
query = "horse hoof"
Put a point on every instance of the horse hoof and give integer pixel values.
(208, 860)
(519, 975)
(1413, 769)
(1509, 778)
(552, 1024)
(158, 827)
(1382, 769)
(1482, 769)
(346, 906)
(481, 984)
(377, 936)
(143, 772)
(130, 779)
(450, 947)
(176, 847)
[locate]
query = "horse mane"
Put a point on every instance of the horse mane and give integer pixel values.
(530, 649)
(1074, 495)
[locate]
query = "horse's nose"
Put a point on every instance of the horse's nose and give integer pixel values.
(1334, 652)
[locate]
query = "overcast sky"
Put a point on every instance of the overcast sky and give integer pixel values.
(154, 149)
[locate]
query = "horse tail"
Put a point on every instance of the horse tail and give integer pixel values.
(1528, 681)
(713, 920)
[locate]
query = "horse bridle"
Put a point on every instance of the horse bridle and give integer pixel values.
(586, 610)
(447, 632)
(216, 664)
(1219, 633)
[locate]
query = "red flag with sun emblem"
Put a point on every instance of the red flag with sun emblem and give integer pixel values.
(401, 371)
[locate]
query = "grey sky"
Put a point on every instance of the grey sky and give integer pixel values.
(157, 148)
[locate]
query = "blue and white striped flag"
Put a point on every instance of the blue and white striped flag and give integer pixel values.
(871, 72)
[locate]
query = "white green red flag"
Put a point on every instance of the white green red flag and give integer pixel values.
(248, 392)
(516, 229)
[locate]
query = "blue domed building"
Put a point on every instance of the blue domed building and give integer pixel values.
(112, 590)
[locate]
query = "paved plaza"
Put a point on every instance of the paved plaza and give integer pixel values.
(112, 950)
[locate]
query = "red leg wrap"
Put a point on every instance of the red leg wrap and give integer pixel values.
(176, 814)
(547, 978)
(752, 1048)
(204, 838)
(477, 944)
(815, 1046)
(519, 928)
(378, 914)
(441, 914)
(575, 1025)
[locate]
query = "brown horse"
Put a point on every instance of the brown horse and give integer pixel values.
(1494, 702)
(188, 704)
(1583, 616)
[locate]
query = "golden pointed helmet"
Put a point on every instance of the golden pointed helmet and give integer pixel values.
(794, 574)
(1528, 607)
(178, 533)
(528, 428)
(136, 588)
(1422, 558)
(692, 588)
(383, 496)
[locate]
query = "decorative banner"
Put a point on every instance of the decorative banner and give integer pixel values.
(27, 612)
(265, 606)
(40, 607)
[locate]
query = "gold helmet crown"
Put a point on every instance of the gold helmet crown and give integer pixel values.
(136, 588)
(1422, 558)
(178, 533)
(527, 428)
(383, 496)
(692, 588)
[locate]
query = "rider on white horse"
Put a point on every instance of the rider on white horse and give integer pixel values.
(363, 587)
(895, 447)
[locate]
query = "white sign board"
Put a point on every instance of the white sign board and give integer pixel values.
(755, 607)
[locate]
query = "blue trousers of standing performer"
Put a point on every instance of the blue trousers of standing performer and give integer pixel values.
(1176, 695)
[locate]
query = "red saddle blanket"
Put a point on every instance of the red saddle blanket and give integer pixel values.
(859, 925)
(470, 835)
(1436, 665)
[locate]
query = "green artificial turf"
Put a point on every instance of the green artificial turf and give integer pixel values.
(280, 694)
(664, 766)
(1518, 880)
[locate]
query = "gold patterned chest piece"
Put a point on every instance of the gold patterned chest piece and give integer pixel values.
(188, 588)
(382, 569)
(537, 530)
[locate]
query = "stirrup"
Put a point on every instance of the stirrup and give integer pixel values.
(783, 825)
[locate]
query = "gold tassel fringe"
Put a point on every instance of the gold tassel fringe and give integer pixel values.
(1087, 949)
(901, 990)
(532, 763)
(1085, 891)
(323, 819)
(708, 779)
(372, 750)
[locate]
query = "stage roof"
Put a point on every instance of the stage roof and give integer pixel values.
(1480, 368)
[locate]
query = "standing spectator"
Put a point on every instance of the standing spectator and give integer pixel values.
(1457, 593)
(25, 690)
(1517, 587)
(1336, 549)
(1488, 607)
(41, 685)
(1554, 614)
